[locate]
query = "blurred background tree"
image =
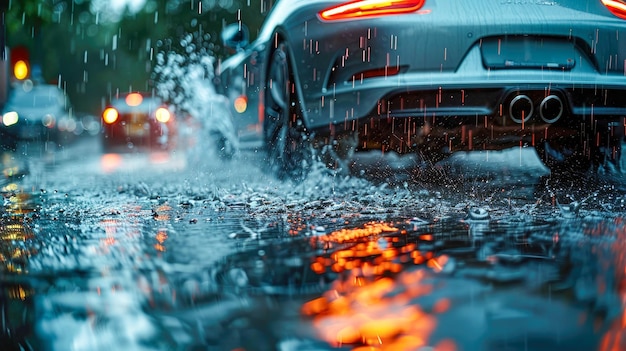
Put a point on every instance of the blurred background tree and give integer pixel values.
(97, 48)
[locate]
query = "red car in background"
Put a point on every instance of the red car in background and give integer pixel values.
(138, 120)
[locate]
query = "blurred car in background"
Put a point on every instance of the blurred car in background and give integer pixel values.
(36, 112)
(138, 120)
(427, 78)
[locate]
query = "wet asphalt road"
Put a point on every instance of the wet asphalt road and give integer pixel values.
(184, 251)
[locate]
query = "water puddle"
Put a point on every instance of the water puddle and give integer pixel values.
(165, 262)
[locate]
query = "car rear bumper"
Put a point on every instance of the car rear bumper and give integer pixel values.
(494, 107)
(469, 91)
(30, 132)
(483, 116)
(148, 136)
(455, 119)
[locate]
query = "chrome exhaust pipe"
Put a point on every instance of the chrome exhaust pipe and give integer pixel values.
(551, 109)
(521, 108)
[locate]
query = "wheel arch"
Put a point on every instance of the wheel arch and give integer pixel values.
(280, 35)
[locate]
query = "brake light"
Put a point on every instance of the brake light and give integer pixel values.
(109, 115)
(368, 8)
(617, 7)
(241, 104)
(162, 115)
(377, 72)
(134, 99)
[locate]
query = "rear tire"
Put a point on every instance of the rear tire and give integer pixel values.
(287, 140)
(606, 146)
(7, 142)
(563, 157)
(597, 149)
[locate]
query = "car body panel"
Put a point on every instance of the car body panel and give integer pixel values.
(350, 71)
(137, 126)
(42, 110)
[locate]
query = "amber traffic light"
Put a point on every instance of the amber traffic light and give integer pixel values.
(20, 62)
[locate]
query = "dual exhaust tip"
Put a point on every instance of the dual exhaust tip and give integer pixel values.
(522, 108)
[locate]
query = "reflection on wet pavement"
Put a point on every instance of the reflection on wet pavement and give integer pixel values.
(172, 260)
(393, 298)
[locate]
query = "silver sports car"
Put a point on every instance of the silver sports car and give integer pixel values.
(431, 77)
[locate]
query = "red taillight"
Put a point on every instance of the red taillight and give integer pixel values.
(109, 115)
(241, 104)
(134, 99)
(162, 115)
(378, 72)
(368, 8)
(617, 7)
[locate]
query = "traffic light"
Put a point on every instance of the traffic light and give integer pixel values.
(20, 69)
(20, 62)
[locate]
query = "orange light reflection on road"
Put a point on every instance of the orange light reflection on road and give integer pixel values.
(370, 306)
(372, 228)
(162, 213)
(615, 338)
(373, 313)
(160, 237)
(110, 228)
(110, 162)
(159, 157)
(14, 229)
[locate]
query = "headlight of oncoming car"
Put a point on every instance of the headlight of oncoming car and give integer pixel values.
(10, 118)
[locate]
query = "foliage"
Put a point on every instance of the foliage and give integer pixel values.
(93, 56)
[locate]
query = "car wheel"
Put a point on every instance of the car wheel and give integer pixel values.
(287, 141)
(597, 150)
(606, 146)
(7, 142)
(224, 148)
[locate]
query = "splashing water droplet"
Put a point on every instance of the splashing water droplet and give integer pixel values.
(479, 214)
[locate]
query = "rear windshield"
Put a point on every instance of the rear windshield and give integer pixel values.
(36, 98)
(147, 104)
